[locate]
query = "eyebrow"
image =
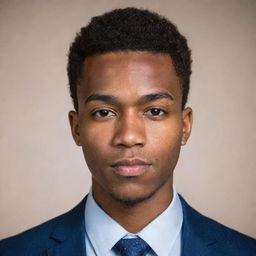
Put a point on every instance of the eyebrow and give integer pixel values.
(143, 99)
(156, 96)
(101, 97)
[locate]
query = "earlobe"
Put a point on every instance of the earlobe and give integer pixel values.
(187, 125)
(74, 125)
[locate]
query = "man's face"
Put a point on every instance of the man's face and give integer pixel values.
(130, 123)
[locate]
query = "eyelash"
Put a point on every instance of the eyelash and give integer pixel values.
(101, 110)
(97, 113)
(163, 112)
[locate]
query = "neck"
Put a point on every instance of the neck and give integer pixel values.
(134, 217)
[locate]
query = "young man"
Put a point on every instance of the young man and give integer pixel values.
(129, 74)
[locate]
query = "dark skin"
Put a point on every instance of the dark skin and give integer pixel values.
(131, 126)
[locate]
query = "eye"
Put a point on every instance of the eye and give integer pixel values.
(103, 113)
(155, 112)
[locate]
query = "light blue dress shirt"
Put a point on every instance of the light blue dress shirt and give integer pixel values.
(163, 234)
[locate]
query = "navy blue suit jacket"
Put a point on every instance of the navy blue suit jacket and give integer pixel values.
(64, 236)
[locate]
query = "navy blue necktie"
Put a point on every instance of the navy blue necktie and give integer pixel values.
(132, 247)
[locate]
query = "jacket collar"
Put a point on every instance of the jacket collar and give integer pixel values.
(69, 233)
(197, 233)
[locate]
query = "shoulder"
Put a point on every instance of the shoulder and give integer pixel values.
(214, 235)
(31, 242)
(37, 240)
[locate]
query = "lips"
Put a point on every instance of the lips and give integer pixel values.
(130, 167)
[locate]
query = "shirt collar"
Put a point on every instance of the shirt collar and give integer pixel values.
(103, 232)
(162, 232)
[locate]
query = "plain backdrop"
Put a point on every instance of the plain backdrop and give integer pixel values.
(43, 173)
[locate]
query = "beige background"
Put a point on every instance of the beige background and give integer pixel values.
(43, 173)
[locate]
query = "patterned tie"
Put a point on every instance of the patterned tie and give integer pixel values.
(132, 247)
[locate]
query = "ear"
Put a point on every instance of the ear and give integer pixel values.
(187, 115)
(74, 125)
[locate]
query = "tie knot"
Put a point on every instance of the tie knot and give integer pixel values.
(132, 247)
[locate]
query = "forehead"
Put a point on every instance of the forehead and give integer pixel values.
(137, 71)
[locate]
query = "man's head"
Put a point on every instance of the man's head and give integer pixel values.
(129, 77)
(129, 29)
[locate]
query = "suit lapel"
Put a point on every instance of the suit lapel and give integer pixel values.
(69, 234)
(198, 239)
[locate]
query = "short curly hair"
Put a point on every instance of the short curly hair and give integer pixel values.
(129, 29)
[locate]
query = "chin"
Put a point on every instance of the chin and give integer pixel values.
(132, 198)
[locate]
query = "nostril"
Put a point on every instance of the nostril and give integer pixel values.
(125, 145)
(139, 144)
(128, 143)
(129, 133)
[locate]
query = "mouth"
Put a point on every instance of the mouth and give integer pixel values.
(130, 167)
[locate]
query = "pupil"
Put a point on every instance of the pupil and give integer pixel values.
(155, 111)
(104, 112)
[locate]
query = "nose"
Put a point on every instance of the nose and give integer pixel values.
(129, 131)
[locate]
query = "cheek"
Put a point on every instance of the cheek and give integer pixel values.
(164, 143)
(164, 135)
(93, 135)
(95, 140)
